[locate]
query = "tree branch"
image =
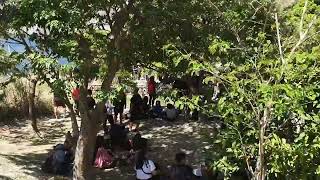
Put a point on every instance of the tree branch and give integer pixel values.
(302, 18)
(279, 40)
(302, 34)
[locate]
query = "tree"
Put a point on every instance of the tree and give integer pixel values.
(96, 38)
(267, 62)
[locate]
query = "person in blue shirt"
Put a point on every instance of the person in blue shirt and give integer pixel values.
(157, 110)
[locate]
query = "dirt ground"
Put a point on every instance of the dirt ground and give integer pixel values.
(22, 152)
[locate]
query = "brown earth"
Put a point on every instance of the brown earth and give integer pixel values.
(22, 152)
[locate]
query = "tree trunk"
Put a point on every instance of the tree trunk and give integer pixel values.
(261, 165)
(90, 122)
(31, 97)
(85, 149)
(74, 122)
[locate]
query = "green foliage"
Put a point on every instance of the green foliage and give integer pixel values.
(261, 79)
(245, 59)
(233, 43)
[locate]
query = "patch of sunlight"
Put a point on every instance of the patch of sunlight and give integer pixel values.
(148, 136)
(164, 145)
(160, 128)
(186, 151)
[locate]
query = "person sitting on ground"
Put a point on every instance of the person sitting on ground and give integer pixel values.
(119, 137)
(59, 157)
(90, 101)
(157, 110)
(139, 142)
(99, 142)
(204, 172)
(104, 157)
(119, 106)
(136, 109)
(145, 168)
(170, 113)
(61, 161)
(180, 170)
(146, 106)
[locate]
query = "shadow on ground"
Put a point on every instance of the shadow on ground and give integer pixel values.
(51, 130)
(30, 162)
(165, 140)
(5, 178)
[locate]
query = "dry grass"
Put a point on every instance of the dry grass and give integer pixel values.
(14, 104)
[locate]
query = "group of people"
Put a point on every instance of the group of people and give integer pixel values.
(116, 139)
(59, 102)
(107, 156)
(140, 108)
(116, 149)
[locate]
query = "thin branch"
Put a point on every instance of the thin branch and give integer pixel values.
(302, 38)
(244, 153)
(302, 18)
(302, 34)
(279, 40)
(154, 68)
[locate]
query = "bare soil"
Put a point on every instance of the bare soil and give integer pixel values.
(22, 152)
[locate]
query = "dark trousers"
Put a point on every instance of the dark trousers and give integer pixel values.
(152, 98)
(108, 118)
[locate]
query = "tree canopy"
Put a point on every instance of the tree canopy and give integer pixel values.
(263, 58)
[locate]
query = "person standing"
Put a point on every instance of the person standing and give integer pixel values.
(151, 91)
(90, 101)
(119, 105)
(58, 102)
(109, 110)
(76, 97)
(136, 109)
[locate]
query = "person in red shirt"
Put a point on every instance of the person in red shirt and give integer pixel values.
(151, 91)
(76, 97)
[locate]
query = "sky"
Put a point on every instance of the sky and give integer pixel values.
(10, 47)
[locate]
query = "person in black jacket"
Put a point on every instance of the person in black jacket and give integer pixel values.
(90, 101)
(136, 109)
(119, 105)
(180, 170)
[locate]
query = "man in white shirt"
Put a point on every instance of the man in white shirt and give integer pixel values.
(109, 115)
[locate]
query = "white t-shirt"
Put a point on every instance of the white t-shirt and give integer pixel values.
(109, 107)
(147, 167)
